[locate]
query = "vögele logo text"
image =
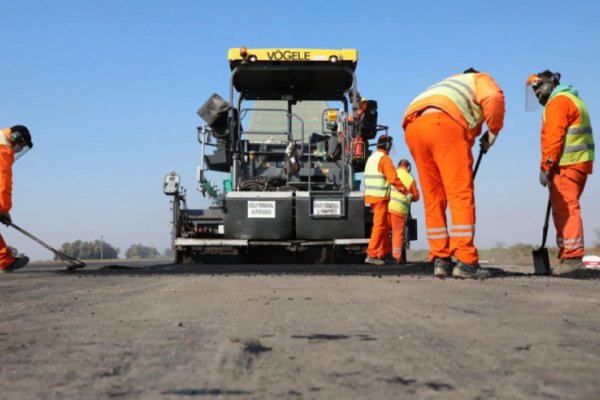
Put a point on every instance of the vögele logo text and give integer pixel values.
(288, 55)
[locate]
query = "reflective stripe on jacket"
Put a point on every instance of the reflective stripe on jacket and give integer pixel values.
(399, 203)
(375, 182)
(460, 90)
(578, 144)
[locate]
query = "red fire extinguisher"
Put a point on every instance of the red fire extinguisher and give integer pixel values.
(358, 148)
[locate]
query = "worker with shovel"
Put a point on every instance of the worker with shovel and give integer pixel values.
(441, 125)
(567, 158)
(14, 143)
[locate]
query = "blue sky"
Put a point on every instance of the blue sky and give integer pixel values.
(110, 89)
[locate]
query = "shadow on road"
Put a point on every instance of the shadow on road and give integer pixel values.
(420, 268)
(417, 269)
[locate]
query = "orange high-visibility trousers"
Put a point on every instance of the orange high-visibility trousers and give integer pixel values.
(442, 153)
(566, 188)
(397, 222)
(6, 256)
(379, 242)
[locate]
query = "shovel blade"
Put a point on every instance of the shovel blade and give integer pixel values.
(541, 261)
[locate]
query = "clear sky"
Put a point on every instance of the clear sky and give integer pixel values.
(110, 89)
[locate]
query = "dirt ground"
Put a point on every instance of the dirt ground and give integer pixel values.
(301, 332)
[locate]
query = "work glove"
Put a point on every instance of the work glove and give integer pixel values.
(544, 178)
(487, 140)
(409, 196)
(5, 218)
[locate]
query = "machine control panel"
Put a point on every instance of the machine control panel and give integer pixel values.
(171, 186)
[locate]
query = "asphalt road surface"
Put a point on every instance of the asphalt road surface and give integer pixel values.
(296, 332)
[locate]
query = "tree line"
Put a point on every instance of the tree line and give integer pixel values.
(99, 249)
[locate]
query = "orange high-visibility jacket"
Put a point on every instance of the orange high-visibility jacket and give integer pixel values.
(560, 113)
(362, 106)
(482, 93)
(7, 158)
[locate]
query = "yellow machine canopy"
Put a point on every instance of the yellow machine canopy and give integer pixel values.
(292, 74)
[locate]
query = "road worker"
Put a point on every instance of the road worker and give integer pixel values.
(361, 106)
(14, 143)
(399, 207)
(365, 128)
(441, 125)
(567, 159)
(380, 174)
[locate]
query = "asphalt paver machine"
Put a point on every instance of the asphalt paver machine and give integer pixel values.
(289, 154)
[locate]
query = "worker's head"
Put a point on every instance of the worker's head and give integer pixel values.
(404, 163)
(542, 84)
(385, 142)
(20, 139)
(470, 70)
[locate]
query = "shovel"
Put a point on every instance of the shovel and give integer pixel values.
(75, 263)
(481, 153)
(541, 260)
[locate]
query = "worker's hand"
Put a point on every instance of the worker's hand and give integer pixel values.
(487, 140)
(544, 178)
(409, 196)
(5, 218)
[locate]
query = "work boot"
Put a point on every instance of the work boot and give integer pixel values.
(568, 265)
(374, 261)
(19, 262)
(468, 271)
(442, 267)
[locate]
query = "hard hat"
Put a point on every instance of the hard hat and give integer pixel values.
(20, 133)
(539, 87)
(21, 140)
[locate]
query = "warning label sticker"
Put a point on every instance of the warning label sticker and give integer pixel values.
(327, 207)
(261, 209)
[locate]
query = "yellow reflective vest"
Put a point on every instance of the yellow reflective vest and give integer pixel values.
(459, 89)
(375, 182)
(399, 203)
(579, 142)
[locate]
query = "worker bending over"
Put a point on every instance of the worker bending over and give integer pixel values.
(567, 159)
(399, 207)
(441, 125)
(14, 143)
(380, 174)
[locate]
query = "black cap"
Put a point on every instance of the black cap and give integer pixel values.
(384, 139)
(471, 70)
(24, 134)
(382, 142)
